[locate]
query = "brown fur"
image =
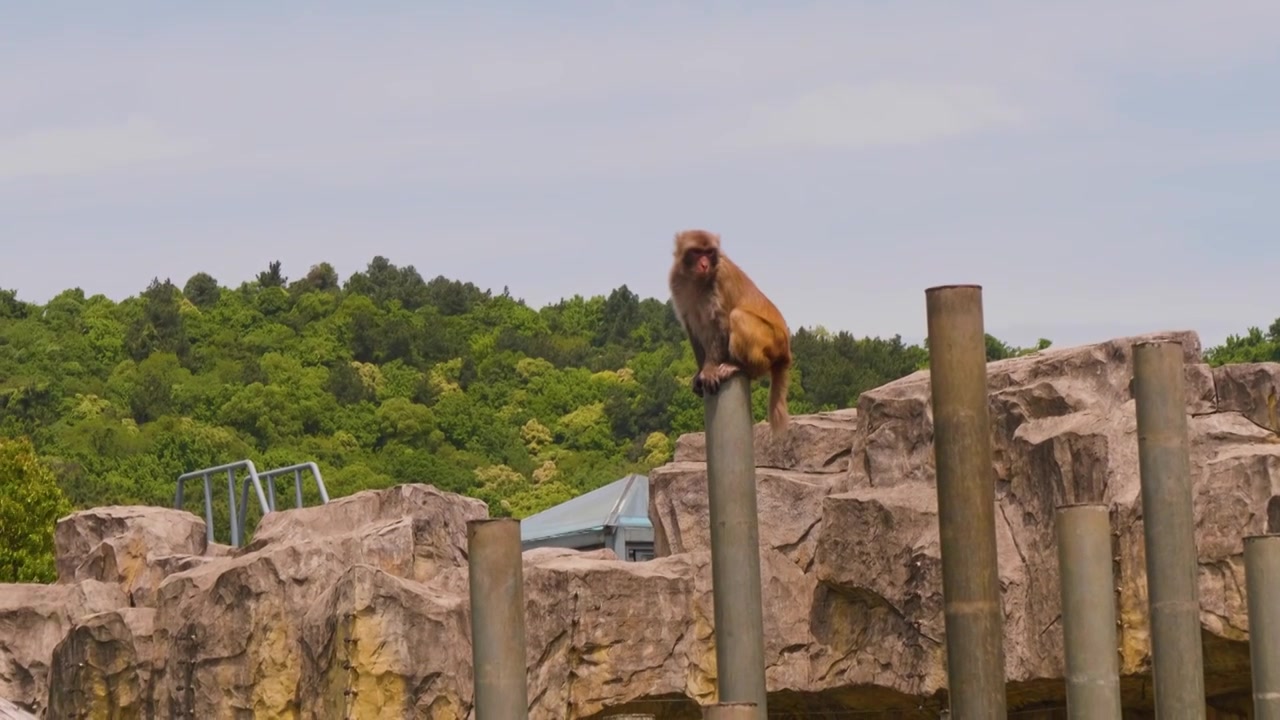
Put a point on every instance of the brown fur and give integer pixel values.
(731, 325)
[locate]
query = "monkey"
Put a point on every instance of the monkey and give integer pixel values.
(731, 325)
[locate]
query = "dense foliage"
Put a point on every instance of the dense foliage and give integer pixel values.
(30, 503)
(383, 379)
(1253, 346)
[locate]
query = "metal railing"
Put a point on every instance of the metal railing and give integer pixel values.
(269, 477)
(230, 469)
(238, 512)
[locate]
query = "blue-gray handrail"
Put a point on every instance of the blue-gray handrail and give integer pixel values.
(230, 469)
(270, 475)
(266, 501)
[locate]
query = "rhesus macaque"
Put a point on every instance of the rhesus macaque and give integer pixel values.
(731, 325)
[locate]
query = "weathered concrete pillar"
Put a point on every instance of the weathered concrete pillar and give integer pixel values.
(735, 545)
(966, 503)
(497, 619)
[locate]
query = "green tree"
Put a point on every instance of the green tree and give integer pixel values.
(320, 278)
(621, 317)
(383, 282)
(159, 327)
(272, 277)
(202, 290)
(382, 379)
(1253, 346)
(11, 307)
(997, 349)
(30, 504)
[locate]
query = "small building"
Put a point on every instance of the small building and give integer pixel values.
(615, 516)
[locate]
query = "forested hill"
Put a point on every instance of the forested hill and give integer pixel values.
(385, 378)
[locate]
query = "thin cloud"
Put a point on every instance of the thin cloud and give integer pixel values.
(1037, 148)
(89, 150)
(464, 94)
(879, 114)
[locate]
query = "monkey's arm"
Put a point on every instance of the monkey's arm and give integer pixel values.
(699, 352)
(700, 357)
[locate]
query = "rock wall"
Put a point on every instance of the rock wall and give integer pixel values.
(359, 608)
(1063, 431)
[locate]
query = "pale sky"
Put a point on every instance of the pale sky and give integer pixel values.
(1100, 168)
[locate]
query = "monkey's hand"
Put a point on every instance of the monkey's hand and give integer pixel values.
(697, 384)
(708, 381)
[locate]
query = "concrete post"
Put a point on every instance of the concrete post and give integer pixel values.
(1262, 586)
(732, 711)
(497, 619)
(966, 503)
(1088, 612)
(1164, 465)
(735, 544)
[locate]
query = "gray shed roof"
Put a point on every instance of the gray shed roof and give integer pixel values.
(623, 502)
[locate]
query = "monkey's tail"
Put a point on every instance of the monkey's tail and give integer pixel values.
(779, 378)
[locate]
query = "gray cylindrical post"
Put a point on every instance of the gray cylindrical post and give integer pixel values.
(208, 506)
(271, 492)
(735, 545)
(972, 609)
(236, 535)
(1262, 585)
(1088, 611)
(732, 711)
(497, 618)
(1164, 466)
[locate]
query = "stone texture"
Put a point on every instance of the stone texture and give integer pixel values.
(9, 711)
(1063, 430)
(363, 646)
(360, 608)
(136, 547)
(793, 475)
(789, 503)
(233, 628)
(1250, 389)
(818, 443)
(135, 532)
(447, 512)
(103, 667)
(33, 620)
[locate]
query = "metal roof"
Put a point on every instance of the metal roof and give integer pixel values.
(621, 503)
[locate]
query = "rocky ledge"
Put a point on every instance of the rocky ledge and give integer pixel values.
(359, 608)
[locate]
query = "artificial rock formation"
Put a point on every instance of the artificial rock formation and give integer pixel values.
(34, 619)
(9, 711)
(135, 546)
(360, 608)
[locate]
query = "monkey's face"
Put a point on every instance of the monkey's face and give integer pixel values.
(702, 261)
(698, 254)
